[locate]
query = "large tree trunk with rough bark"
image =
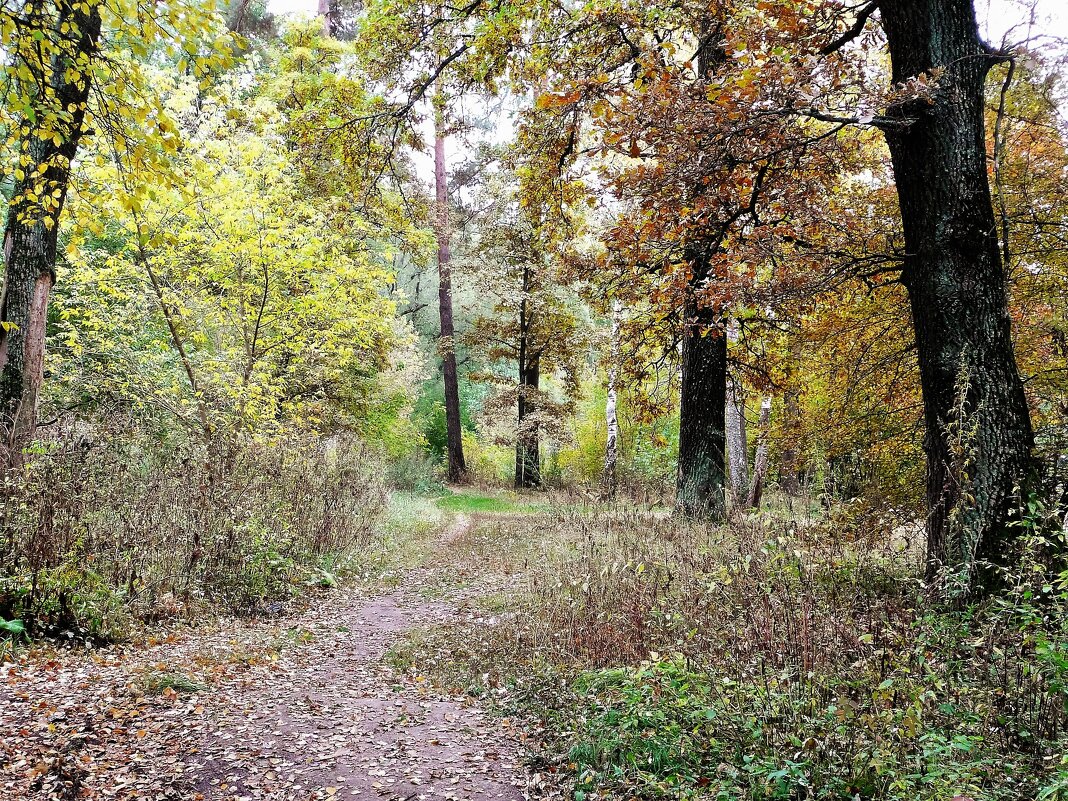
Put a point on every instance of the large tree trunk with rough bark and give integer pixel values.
(457, 468)
(978, 428)
(31, 234)
(701, 476)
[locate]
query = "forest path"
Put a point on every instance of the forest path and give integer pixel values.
(296, 708)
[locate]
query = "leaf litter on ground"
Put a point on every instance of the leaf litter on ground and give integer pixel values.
(296, 708)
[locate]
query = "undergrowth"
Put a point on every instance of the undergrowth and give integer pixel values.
(770, 660)
(100, 536)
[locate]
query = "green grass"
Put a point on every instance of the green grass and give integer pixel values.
(157, 683)
(463, 502)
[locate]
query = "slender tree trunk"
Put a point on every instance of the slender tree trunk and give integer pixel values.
(611, 449)
(760, 463)
(457, 468)
(978, 427)
(527, 453)
(324, 12)
(703, 399)
(32, 231)
(528, 450)
(737, 442)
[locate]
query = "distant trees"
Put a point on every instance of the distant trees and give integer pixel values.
(535, 324)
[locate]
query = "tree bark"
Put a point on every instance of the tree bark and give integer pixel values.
(737, 442)
(457, 468)
(527, 452)
(324, 12)
(703, 398)
(978, 429)
(31, 235)
(760, 463)
(610, 478)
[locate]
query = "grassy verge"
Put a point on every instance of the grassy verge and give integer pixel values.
(470, 503)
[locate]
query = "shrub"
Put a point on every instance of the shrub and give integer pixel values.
(96, 534)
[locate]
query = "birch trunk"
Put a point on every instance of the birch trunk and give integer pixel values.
(737, 442)
(611, 450)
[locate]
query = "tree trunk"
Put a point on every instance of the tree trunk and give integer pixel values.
(978, 428)
(790, 467)
(31, 236)
(527, 450)
(457, 468)
(527, 454)
(700, 486)
(760, 463)
(737, 442)
(324, 12)
(611, 449)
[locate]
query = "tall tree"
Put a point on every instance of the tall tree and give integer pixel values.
(456, 467)
(535, 325)
(979, 437)
(700, 487)
(67, 35)
(528, 362)
(60, 61)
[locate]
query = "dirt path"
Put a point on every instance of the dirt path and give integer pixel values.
(300, 708)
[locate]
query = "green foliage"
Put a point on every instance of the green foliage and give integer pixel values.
(668, 730)
(648, 445)
(429, 413)
(489, 461)
(13, 628)
(58, 53)
(252, 306)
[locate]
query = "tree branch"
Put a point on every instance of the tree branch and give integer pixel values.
(853, 31)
